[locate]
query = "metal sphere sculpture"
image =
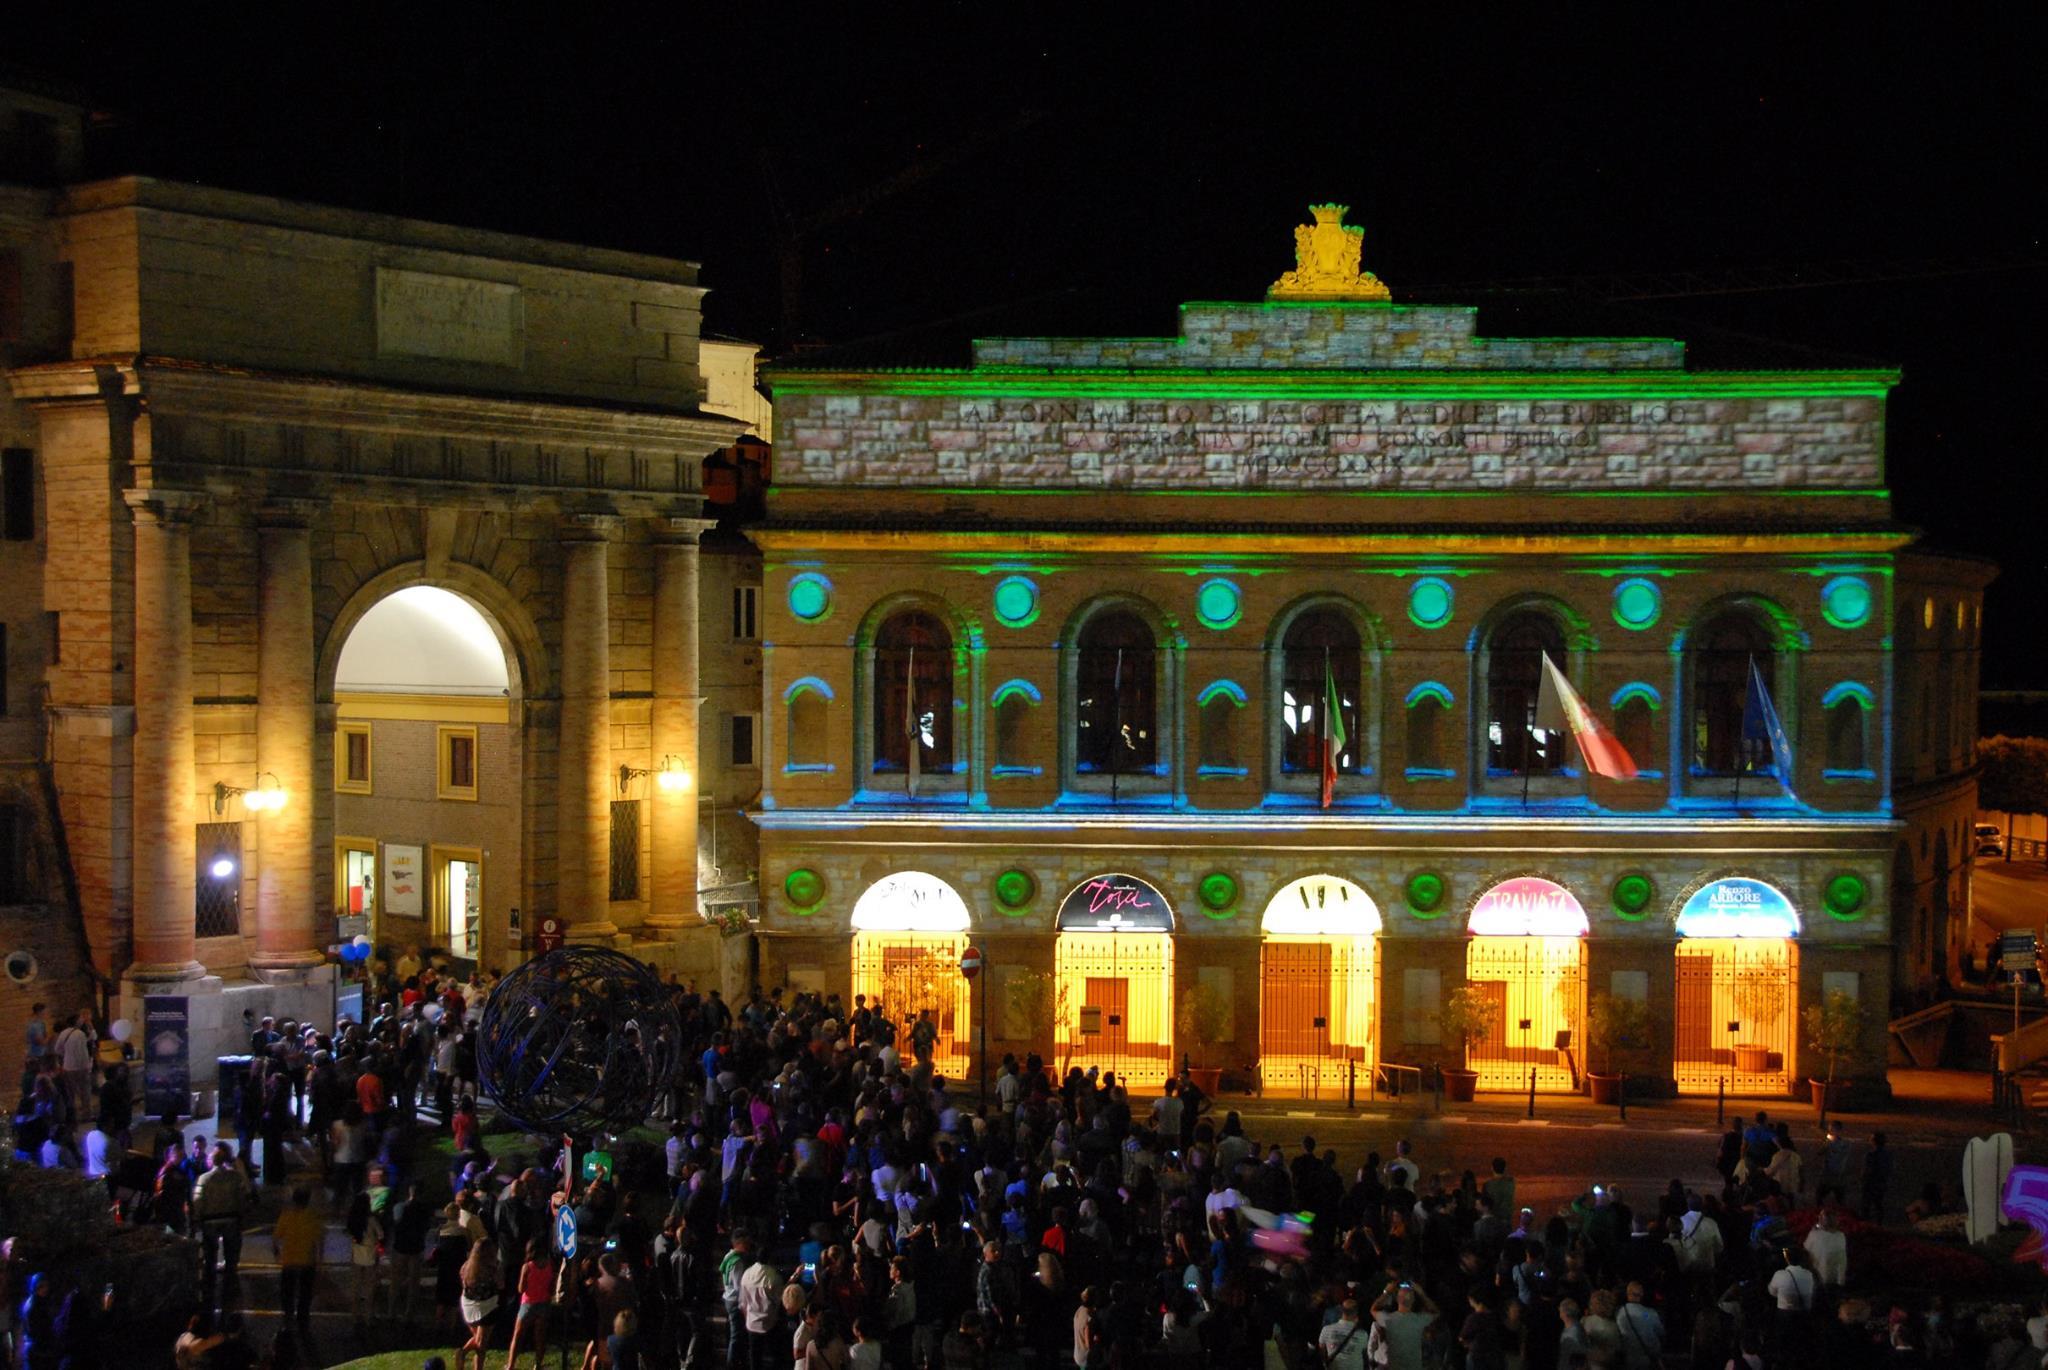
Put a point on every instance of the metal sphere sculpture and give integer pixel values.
(578, 1039)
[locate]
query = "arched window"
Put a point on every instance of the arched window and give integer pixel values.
(1721, 654)
(1635, 727)
(1320, 650)
(1116, 699)
(1845, 733)
(913, 693)
(807, 727)
(1427, 705)
(1514, 668)
(1219, 745)
(1014, 703)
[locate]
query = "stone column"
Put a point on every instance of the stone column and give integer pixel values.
(583, 751)
(674, 717)
(286, 910)
(164, 805)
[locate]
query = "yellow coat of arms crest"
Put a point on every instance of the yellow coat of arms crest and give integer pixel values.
(1326, 261)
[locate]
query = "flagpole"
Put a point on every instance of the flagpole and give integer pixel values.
(1529, 735)
(1742, 730)
(1116, 728)
(910, 756)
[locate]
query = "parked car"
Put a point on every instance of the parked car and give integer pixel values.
(1990, 840)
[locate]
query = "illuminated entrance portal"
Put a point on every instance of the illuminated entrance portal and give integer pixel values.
(1528, 957)
(1317, 970)
(909, 931)
(1738, 965)
(1114, 964)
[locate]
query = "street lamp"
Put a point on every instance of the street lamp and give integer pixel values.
(670, 777)
(257, 798)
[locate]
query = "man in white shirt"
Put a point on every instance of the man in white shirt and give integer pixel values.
(761, 1305)
(74, 1058)
(1828, 1249)
(1009, 1086)
(1642, 1330)
(1411, 1173)
(1793, 1287)
(1343, 1341)
(1166, 1113)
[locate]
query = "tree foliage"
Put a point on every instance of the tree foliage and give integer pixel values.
(2014, 774)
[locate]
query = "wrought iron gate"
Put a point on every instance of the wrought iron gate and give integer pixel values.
(1118, 1004)
(1536, 988)
(908, 973)
(1734, 1015)
(1316, 1012)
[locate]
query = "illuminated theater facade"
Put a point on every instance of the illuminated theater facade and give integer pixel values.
(1052, 646)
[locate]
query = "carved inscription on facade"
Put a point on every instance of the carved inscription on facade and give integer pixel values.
(449, 318)
(1701, 442)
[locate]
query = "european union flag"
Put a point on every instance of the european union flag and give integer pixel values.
(1761, 727)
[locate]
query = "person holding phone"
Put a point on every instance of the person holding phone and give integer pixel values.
(1404, 1313)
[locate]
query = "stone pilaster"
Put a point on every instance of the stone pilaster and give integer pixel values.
(583, 774)
(165, 806)
(674, 718)
(286, 911)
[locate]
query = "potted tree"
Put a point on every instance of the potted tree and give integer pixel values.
(1037, 997)
(1200, 1020)
(1618, 1029)
(1834, 1028)
(1466, 1019)
(1760, 999)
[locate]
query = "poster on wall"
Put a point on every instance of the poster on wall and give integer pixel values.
(404, 880)
(166, 1055)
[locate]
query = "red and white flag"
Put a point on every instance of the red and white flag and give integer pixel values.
(1559, 709)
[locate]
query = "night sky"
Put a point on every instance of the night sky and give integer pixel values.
(889, 181)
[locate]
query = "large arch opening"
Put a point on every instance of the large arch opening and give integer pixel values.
(1527, 959)
(1318, 969)
(1734, 1017)
(1113, 967)
(428, 777)
(909, 930)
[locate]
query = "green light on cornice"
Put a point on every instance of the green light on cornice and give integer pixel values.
(1237, 382)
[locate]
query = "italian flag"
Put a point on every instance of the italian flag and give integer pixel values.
(1559, 709)
(1334, 739)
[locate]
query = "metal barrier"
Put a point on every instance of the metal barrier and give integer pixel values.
(1389, 1075)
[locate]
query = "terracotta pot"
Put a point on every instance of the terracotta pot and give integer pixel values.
(1208, 1080)
(1606, 1088)
(1461, 1085)
(1752, 1059)
(1823, 1096)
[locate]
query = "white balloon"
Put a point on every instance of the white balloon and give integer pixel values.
(361, 940)
(433, 1013)
(121, 1029)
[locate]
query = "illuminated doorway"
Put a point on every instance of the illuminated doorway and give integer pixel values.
(1113, 962)
(459, 901)
(909, 931)
(1735, 1013)
(1318, 967)
(1527, 957)
(355, 880)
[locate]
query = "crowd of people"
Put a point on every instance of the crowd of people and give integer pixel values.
(825, 1200)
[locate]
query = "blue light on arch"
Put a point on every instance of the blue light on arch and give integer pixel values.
(1010, 688)
(1229, 689)
(1429, 689)
(1738, 906)
(1848, 689)
(1637, 689)
(809, 682)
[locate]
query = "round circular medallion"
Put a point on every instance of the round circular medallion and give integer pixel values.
(810, 596)
(1218, 891)
(1218, 604)
(1844, 896)
(1845, 601)
(1016, 602)
(805, 888)
(1014, 889)
(1632, 895)
(1430, 601)
(1637, 603)
(1425, 894)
